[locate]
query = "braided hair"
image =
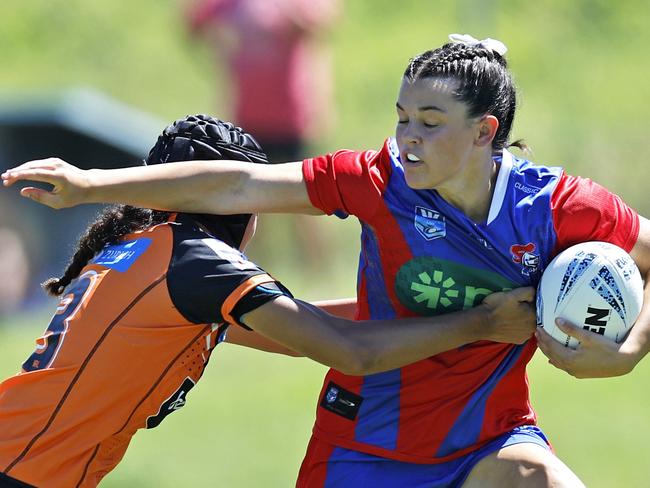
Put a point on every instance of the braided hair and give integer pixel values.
(111, 225)
(485, 84)
(192, 138)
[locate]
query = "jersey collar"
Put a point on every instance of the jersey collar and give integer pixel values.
(501, 186)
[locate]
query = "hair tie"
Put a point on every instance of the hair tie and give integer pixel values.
(492, 44)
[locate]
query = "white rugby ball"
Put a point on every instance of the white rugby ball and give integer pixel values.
(594, 285)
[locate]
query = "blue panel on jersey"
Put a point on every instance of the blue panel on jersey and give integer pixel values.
(378, 421)
(379, 302)
(121, 256)
(468, 425)
(378, 418)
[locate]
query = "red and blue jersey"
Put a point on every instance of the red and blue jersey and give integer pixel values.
(422, 256)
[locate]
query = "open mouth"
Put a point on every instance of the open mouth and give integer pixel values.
(411, 158)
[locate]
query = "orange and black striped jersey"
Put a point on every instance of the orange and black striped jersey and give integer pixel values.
(130, 337)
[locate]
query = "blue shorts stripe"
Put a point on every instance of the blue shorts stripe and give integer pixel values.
(347, 468)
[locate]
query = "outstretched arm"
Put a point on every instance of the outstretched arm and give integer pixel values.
(595, 356)
(367, 347)
(344, 307)
(217, 187)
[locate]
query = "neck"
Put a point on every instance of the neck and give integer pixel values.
(472, 194)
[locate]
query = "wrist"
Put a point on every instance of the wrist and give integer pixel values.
(633, 352)
(89, 188)
(479, 324)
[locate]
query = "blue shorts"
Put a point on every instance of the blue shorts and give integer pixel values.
(345, 468)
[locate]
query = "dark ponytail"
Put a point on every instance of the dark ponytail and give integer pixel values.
(114, 223)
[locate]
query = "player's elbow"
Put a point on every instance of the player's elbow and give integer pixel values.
(216, 189)
(358, 360)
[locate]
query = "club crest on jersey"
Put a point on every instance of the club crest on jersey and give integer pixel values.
(429, 223)
(525, 255)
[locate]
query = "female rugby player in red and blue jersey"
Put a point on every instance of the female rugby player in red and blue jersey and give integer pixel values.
(153, 293)
(448, 216)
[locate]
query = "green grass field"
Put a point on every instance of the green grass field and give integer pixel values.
(248, 421)
(582, 69)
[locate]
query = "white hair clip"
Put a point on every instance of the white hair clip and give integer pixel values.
(496, 46)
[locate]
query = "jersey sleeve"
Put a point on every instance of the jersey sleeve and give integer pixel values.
(207, 280)
(347, 182)
(585, 211)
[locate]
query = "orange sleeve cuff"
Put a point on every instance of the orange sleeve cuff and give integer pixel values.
(230, 302)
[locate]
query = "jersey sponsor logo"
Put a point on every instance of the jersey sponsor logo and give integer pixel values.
(429, 223)
(174, 402)
(525, 255)
(530, 190)
(430, 286)
(341, 401)
(121, 257)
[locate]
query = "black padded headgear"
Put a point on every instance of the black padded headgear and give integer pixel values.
(201, 137)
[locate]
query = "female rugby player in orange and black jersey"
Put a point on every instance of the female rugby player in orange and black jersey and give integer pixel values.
(148, 296)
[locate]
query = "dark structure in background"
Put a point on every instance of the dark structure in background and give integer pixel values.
(82, 127)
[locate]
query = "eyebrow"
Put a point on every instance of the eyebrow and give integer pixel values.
(425, 108)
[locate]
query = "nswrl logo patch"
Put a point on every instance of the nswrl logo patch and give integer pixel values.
(429, 223)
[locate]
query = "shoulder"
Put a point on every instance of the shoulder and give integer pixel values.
(348, 182)
(538, 175)
(349, 161)
(204, 272)
(584, 210)
(525, 185)
(197, 252)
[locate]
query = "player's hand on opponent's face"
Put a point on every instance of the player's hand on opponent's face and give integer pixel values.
(595, 356)
(68, 182)
(511, 315)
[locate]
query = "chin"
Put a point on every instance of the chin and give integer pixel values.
(417, 182)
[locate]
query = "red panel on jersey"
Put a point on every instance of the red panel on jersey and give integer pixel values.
(585, 211)
(333, 182)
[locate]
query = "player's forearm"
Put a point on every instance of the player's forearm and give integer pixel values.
(195, 186)
(372, 346)
(343, 307)
(218, 187)
(383, 345)
(637, 343)
(240, 336)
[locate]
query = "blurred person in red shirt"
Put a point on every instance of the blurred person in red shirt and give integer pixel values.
(279, 68)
